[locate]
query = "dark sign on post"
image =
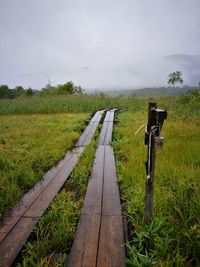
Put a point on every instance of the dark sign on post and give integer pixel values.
(153, 140)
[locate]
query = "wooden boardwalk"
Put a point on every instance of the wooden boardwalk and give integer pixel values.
(99, 239)
(21, 219)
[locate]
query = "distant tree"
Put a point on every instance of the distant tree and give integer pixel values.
(29, 92)
(175, 77)
(66, 88)
(19, 91)
(4, 91)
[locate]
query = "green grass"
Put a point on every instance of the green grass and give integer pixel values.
(54, 233)
(59, 104)
(173, 237)
(29, 146)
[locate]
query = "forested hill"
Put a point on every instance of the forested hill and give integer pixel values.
(161, 91)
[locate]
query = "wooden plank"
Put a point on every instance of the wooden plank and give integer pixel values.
(93, 197)
(90, 128)
(111, 199)
(108, 137)
(103, 133)
(25, 224)
(14, 214)
(85, 246)
(106, 133)
(43, 201)
(84, 135)
(98, 115)
(9, 248)
(91, 133)
(107, 117)
(111, 251)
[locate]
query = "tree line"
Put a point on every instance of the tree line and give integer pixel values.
(19, 91)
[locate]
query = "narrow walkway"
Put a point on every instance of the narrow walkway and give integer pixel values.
(99, 239)
(21, 219)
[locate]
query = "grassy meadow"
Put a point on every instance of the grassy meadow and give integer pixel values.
(35, 133)
(60, 104)
(173, 237)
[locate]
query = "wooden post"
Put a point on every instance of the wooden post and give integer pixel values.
(150, 166)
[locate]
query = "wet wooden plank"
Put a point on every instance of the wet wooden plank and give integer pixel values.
(107, 117)
(85, 246)
(13, 242)
(111, 198)
(108, 136)
(93, 197)
(14, 214)
(43, 201)
(84, 135)
(111, 251)
(91, 133)
(90, 129)
(103, 133)
(25, 224)
(98, 115)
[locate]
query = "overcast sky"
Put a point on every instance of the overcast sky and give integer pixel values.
(96, 44)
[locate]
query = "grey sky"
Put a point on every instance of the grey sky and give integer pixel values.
(98, 44)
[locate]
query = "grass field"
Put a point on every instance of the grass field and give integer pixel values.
(59, 104)
(29, 146)
(31, 143)
(173, 237)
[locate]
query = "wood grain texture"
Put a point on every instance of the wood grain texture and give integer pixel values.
(93, 197)
(12, 243)
(111, 200)
(85, 247)
(111, 251)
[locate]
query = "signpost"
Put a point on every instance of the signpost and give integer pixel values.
(153, 140)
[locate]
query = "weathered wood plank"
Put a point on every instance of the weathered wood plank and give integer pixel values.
(90, 129)
(103, 132)
(107, 117)
(108, 137)
(13, 215)
(111, 252)
(98, 115)
(93, 197)
(43, 201)
(111, 199)
(91, 133)
(9, 248)
(85, 246)
(84, 135)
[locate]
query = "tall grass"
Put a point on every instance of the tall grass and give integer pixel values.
(173, 237)
(60, 104)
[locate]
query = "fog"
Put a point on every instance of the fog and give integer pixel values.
(99, 44)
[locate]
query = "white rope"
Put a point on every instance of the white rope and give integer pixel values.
(141, 128)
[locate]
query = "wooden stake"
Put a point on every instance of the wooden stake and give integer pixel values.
(150, 167)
